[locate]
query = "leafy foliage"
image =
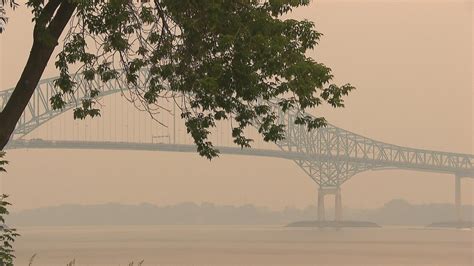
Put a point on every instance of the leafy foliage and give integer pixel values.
(3, 163)
(7, 235)
(3, 15)
(217, 59)
(140, 263)
(32, 258)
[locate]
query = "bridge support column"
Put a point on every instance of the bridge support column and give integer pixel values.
(338, 205)
(457, 198)
(321, 211)
(322, 192)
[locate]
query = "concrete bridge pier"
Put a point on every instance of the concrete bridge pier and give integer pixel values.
(322, 192)
(457, 198)
(338, 205)
(321, 211)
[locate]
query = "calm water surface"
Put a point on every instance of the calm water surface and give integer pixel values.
(243, 245)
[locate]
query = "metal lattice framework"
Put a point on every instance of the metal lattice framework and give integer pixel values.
(39, 109)
(329, 155)
(341, 154)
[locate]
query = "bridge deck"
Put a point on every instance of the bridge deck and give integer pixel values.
(164, 147)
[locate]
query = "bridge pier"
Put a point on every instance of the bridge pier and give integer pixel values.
(321, 211)
(322, 192)
(338, 205)
(457, 198)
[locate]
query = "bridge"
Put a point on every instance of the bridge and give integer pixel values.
(329, 155)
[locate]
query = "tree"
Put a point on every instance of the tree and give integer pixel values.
(225, 59)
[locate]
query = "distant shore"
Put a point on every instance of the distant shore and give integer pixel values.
(334, 224)
(396, 212)
(463, 224)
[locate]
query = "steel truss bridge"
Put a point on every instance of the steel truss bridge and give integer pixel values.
(329, 156)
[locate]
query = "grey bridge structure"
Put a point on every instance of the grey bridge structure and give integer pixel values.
(329, 155)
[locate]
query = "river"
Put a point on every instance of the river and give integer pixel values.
(243, 245)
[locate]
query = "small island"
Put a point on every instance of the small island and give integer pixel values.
(334, 224)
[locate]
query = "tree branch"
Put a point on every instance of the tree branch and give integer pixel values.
(40, 54)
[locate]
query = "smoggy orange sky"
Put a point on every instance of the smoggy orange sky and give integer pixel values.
(411, 62)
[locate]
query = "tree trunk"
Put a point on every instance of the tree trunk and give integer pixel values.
(38, 59)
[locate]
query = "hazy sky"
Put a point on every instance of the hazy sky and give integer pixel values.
(411, 62)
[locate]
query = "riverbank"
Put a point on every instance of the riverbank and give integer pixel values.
(334, 224)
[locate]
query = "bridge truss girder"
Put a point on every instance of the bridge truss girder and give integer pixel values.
(340, 154)
(328, 173)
